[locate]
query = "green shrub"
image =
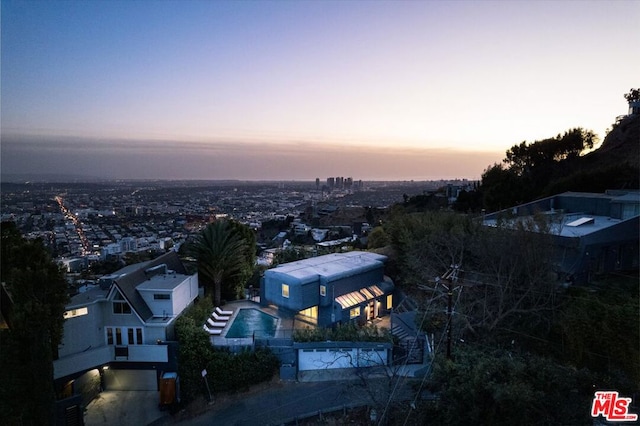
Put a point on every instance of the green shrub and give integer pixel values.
(226, 371)
(237, 372)
(349, 332)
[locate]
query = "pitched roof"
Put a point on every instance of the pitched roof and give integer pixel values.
(127, 283)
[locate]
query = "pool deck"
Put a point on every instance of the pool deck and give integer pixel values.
(284, 328)
(287, 323)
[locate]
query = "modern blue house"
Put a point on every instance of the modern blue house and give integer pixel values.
(592, 233)
(331, 289)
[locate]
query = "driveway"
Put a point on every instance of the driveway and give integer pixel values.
(124, 408)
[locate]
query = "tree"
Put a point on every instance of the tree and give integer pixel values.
(38, 291)
(502, 188)
(529, 159)
(594, 329)
(529, 168)
(506, 271)
(501, 387)
(234, 286)
(426, 244)
(377, 238)
(221, 253)
(514, 271)
(633, 95)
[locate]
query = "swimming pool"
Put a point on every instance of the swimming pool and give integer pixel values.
(250, 321)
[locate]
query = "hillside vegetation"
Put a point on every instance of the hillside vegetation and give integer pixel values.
(558, 164)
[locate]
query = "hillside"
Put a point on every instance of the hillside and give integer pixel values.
(615, 165)
(622, 144)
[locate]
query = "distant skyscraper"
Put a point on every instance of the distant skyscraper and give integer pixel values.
(349, 183)
(331, 182)
(317, 183)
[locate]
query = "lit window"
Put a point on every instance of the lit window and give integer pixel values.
(311, 312)
(285, 290)
(75, 313)
(165, 296)
(121, 308)
(323, 290)
(390, 301)
(354, 312)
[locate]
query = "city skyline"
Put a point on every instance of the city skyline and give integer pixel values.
(292, 91)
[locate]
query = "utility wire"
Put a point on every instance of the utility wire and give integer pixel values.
(402, 380)
(422, 382)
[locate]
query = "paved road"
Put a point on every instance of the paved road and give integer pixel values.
(297, 400)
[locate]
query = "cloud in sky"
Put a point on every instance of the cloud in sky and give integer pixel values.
(139, 159)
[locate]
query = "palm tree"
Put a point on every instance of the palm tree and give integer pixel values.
(220, 253)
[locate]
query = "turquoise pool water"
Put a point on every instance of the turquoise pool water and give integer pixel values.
(250, 321)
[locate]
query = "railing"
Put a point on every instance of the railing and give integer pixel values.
(148, 353)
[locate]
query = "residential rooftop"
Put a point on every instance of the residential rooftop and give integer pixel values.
(331, 265)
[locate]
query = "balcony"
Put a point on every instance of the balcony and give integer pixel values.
(105, 354)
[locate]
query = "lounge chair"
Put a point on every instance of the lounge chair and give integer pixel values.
(221, 312)
(220, 317)
(212, 332)
(212, 323)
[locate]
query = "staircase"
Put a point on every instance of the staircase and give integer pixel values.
(410, 347)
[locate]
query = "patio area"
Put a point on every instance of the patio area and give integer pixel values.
(287, 323)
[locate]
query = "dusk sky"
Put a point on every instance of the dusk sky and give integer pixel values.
(297, 90)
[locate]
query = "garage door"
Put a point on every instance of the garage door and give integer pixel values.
(130, 380)
(321, 359)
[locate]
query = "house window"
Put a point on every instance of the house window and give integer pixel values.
(134, 336)
(121, 307)
(164, 296)
(389, 301)
(354, 312)
(75, 313)
(323, 290)
(124, 336)
(285, 290)
(311, 312)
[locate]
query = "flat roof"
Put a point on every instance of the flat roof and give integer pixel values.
(330, 264)
(574, 224)
(162, 282)
(87, 297)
